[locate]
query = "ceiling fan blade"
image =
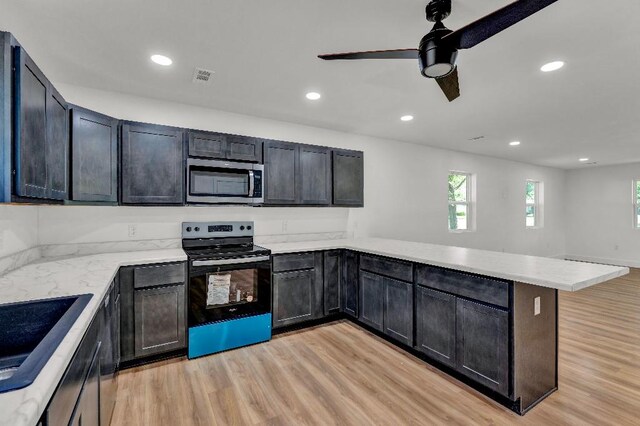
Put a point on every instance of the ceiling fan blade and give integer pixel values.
(449, 85)
(490, 25)
(374, 54)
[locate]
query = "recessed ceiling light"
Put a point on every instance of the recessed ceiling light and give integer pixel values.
(552, 66)
(161, 60)
(406, 118)
(514, 143)
(583, 160)
(313, 96)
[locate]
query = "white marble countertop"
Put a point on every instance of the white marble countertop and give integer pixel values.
(63, 277)
(543, 271)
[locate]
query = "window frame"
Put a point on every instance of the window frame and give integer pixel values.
(537, 222)
(469, 203)
(635, 203)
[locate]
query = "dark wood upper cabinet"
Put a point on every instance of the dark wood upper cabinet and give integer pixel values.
(94, 156)
(244, 148)
(348, 178)
(152, 164)
(41, 137)
(314, 175)
(225, 146)
(281, 165)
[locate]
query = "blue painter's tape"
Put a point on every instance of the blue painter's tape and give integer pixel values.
(224, 335)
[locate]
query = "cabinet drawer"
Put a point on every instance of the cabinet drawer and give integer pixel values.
(390, 268)
(293, 262)
(488, 290)
(149, 276)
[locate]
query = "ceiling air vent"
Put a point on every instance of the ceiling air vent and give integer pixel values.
(202, 76)
(477, 138)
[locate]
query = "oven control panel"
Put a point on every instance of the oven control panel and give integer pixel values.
(217, 229)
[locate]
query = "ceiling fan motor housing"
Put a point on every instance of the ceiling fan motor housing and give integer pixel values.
(437, 59)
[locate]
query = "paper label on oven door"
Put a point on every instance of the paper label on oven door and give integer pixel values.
(218, 289)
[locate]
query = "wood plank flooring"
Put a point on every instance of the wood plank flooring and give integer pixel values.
(339, 374)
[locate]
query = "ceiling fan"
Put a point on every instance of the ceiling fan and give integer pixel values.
(438, 49)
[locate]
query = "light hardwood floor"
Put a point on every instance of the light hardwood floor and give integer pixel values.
(341, 374)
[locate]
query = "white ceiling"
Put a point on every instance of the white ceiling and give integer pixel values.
(264, 57)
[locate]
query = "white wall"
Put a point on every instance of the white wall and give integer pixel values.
(18, 228)
(600, 215)
(405, 189)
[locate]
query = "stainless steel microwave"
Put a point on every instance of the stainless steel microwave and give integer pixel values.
(224, 182)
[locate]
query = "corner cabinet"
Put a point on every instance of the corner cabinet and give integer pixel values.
(94, 156)
(348, 178)
(41, 135)
(152, 164)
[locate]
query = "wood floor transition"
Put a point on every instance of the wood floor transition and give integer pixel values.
(341, 374)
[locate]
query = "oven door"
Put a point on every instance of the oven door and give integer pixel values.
(211, 181)
(229, 288)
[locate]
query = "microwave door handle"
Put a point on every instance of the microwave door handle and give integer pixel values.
(252, 183)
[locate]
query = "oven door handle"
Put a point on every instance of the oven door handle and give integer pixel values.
(252, 183)
(230, 262)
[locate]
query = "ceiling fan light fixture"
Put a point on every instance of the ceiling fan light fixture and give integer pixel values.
(437, 70)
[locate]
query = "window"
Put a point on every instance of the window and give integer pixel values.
(532, 204)
(460, 198)
(636, 203)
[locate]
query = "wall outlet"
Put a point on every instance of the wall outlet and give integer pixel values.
(536, 306)
(133, 230)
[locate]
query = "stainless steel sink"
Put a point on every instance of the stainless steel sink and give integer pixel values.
(30, 332)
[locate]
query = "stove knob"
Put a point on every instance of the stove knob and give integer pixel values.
(188, 229)
(197, 229)
(249, 227)
(242, 227)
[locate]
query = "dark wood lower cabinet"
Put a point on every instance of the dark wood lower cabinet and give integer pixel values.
(482, 340)
(436, 325)
(372, 300)
(87, 411)
(349, 291)
(160, 320)
(295, 297)
(398, 310)
(332, 281)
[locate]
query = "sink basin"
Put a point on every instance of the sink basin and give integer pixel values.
(30, 332)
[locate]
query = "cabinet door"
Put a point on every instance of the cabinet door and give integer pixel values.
(294, 297)
(87, 411)
(372, 300)
(244, 148)
(107, 360)
(332, 280)
(315, 175)
(57, 146)
(280, 168)
(436, 325)
(482, 341)
(152, 164)
(349, 293)
(94, 156)
(398, 310)
(30, 127)
(348, 178)
(207, 144)
(160, 321)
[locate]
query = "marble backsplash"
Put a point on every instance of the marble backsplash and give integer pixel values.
(17, 260)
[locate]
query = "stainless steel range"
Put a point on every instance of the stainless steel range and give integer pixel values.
(229, 286)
